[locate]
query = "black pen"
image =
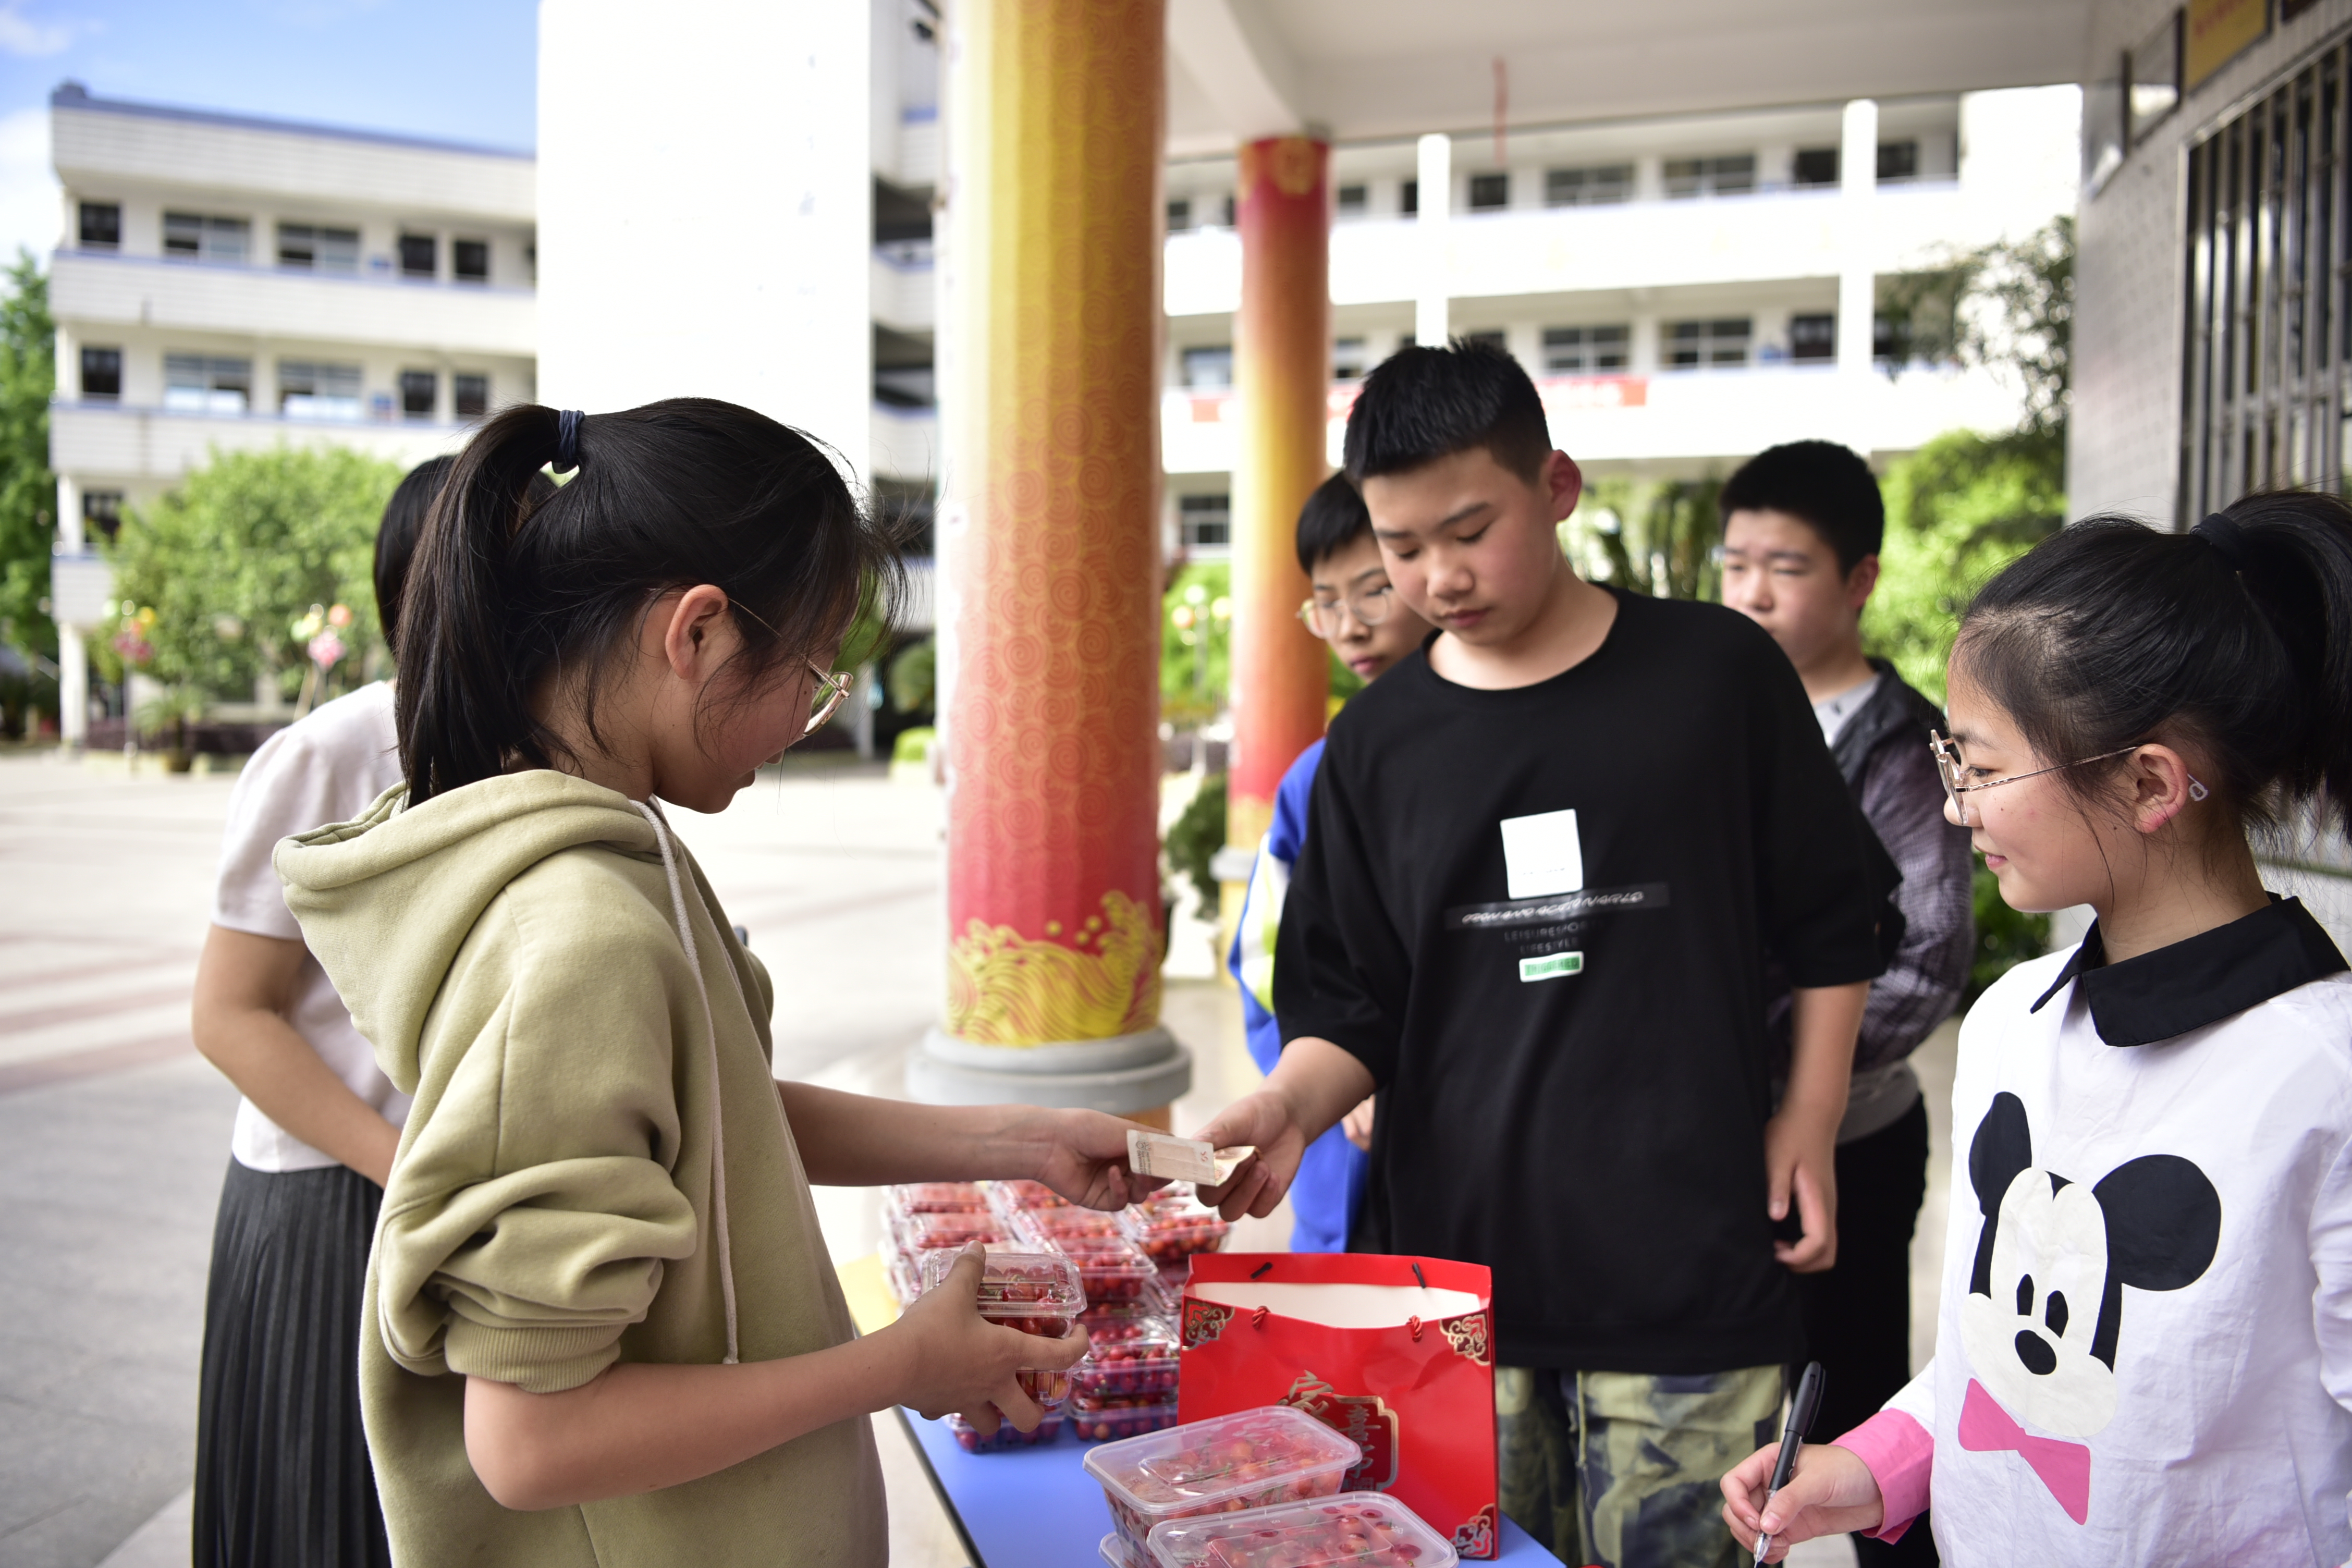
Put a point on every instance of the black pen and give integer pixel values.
(1801, 1425)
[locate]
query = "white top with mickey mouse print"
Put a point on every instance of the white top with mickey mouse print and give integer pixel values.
(2143, 1351)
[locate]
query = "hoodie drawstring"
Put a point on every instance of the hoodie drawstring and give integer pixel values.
(710, 1028)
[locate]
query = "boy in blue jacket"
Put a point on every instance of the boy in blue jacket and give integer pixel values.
(1370, 628)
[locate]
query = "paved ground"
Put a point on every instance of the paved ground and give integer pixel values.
(113, 1133)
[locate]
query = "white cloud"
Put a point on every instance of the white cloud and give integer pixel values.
(29, 209)
(20, 35)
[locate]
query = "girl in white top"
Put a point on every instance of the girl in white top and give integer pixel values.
(2145, 1345)
(283, 1472)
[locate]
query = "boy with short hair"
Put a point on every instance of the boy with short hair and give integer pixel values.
(1355, 611)
(1547, 854)
(1801, 529)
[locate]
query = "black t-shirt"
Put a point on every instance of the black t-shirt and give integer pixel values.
(1573, 1079)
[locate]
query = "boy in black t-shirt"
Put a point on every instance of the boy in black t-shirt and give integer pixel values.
(1545, 857)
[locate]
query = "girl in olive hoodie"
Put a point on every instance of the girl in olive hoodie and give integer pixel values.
(601, 1324)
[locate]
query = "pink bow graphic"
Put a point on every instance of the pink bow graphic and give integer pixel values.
(2064, 1467)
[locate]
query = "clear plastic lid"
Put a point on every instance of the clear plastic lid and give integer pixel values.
(1111, 1269)
(1066, 1224)
(935, 1197)
(1361, 1530)
(1254, 1458)
(1024, 1196)
(1114, 1553)
(952, 1227)
(1017, 1284)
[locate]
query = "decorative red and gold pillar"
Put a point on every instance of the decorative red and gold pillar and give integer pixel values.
(1282, 375)
(1049, 601)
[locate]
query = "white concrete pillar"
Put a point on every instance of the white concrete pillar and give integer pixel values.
(73, 654)
(1857, 282)
(1429, 316)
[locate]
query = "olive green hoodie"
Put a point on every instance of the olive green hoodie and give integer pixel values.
(596, 1168)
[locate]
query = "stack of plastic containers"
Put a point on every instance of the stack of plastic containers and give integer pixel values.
(1126, 1385)
(1361, 1530)
(1114, 1268)
(1034, 1293)
(1250, 1460)
(920, 1216)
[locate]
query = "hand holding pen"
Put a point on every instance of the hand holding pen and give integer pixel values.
(1804, 1491)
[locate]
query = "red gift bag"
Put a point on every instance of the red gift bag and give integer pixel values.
(1397, 1353)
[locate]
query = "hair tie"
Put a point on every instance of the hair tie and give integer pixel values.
(567, 440)
(2228, 540)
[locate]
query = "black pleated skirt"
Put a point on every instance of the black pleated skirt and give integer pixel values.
(283, 1472)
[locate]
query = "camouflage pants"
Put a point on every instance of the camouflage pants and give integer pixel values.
(1623, 1468)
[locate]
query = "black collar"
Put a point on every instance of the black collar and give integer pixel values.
(2213, 975)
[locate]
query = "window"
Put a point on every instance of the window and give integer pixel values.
(1354, 201)
(1179, 214)
(1488, 192)
(1349, 360)
(305, 246)
(1812, 337)
(1571, 350)
(469, 260)
(1204, 520)
(472, 394)
(1209, 369)
(1408, 197)
(1229, 212)
(2263, 392)
(1588, 187)
(101, 226)
(420, 255)
(1890, 339)
(200, 384)
(1491, 338)
(310, 390)
(1815, 166)
(1898, 161)
(196, 237)
(101, 512)
(102, 374)
(1727, 176)
(1721, 342)
(419, 391)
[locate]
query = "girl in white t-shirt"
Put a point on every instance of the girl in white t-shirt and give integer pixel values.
(282, 1473)
(2145, 1345)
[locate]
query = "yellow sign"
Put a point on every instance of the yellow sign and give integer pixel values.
(2217, 31)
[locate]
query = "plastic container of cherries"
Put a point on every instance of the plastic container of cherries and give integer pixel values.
(1106, 1419)
(1360, 1530)
(1111, 1269)
(950, 1227)
(935, 1197)
(1061, 1227)
(1006, 1435)
(1141, 1363)
(1173, 1228)
(1033, 1292)
(1014, 1195)
(1254, 1458)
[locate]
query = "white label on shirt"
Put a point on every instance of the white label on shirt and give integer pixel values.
(1542, 855)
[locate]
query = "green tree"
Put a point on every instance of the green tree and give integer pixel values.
(1654, 537)
(232, 559)
(1196, 620)
(28, 491)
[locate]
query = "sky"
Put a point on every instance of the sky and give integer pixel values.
(462, 70)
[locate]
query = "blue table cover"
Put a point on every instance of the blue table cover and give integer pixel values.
(1037, 1507)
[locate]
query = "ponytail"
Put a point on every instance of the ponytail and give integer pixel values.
(2235, 637)
(511, 586)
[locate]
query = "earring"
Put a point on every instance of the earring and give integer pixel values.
(2197, 791)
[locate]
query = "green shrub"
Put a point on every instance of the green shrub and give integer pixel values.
(1197, 835)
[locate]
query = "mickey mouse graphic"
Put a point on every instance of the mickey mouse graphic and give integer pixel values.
(2044, 1310)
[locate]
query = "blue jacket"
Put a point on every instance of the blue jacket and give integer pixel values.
(1331, 1181)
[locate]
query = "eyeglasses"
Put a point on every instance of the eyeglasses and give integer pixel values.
(1327, 618)
(831, 688)
(1949, 767)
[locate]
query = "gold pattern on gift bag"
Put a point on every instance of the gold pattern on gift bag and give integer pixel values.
(1366, 1419)
(1476, 1538)
(1204, 1322)
(1467, 1336)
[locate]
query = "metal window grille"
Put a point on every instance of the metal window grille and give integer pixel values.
(1205, 522)
(1570, 350)
(1602, 187)
(2268, 335)
(1489, 192)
